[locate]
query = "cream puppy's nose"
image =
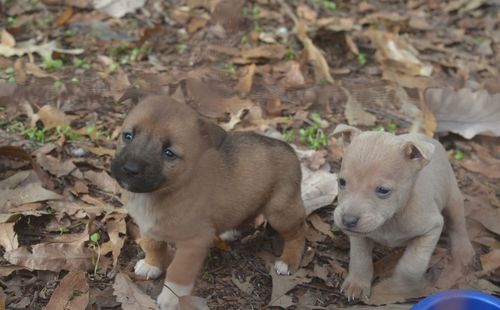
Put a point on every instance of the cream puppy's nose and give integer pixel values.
(349, 220)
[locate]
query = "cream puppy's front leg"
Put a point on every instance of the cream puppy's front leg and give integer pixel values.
(182, 273)
(407, 277)
(359, 280)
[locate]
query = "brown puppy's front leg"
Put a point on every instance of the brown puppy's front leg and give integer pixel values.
(406, 282)
(182, 272)
(359, 280)
(151, 267)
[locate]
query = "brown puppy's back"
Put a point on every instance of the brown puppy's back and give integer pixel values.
(264, 167)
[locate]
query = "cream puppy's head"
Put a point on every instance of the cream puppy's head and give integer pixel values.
(376, 178)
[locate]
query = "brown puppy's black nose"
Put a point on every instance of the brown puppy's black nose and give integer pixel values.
(349, 220)
(131, 168)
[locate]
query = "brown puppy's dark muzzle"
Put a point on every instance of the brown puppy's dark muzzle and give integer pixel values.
(136, 175)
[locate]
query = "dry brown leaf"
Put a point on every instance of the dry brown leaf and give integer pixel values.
(65, 17)
(465, 112)
(488, 217)
(71, 294)
(320, 272)
(130, 296)
(284, 284)
(53, 256)
(117, 231)
(20, 71)
(52, 117)
(7, 39)
(397, 54)
(354, 112)
(8, 237)
(35, 70)
(192, 303)
(245, 286)
(101, 151)
(2, 299)
(28, 47)
(338, 269)
(265, 51)
(57, 167)
(117, 8)
(384, 266)
(319, 188)
(293, 78)
(245, 83)
(314, 55)
(22, 188)
(102, 180)
(7, 270)
(320, 225)
(306, 13)
(491, 260)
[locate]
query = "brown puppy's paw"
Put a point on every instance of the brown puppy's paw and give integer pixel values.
(355, 287)
(281, 268)
(146, 270)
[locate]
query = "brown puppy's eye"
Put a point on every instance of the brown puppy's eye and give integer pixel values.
(168, 154)
(127, 136)
(383, 192)
(342, 183)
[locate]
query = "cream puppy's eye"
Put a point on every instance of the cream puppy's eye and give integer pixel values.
(383, 192)
(342, 183)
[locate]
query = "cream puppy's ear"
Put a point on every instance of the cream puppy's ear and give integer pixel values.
(348, 133)
(419, 151)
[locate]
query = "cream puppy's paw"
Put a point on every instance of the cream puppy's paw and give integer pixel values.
(167, 300)
(355, 287)
(146, 270)
(281, 268)
(230, 235)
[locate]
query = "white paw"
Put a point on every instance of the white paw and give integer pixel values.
(146, 270)
(167, 300)
(230, 235)
(281, 268)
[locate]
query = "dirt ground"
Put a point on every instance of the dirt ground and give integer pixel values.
(289, 69)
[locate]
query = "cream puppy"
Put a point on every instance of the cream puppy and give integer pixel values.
(394, 190)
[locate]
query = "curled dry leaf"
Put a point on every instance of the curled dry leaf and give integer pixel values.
(57, 167)
(52, 117)
(53, 256)
(245, 83)
(130, 296)
(7, 39)
(72, 293)
(395, 53)
(319, 188)
(28, 47)
(320, 225)
(245, 286)
(465, 112)
(8, 237)
(491, 260)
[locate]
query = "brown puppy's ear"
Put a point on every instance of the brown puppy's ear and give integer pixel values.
(419, 151)
(133, 94)
(347, 133)
(213, 133)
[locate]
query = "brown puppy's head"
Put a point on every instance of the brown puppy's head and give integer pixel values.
(376, 177)
(161, 143)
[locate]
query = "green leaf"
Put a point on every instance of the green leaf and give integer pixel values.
(458, 155)
(95, 237)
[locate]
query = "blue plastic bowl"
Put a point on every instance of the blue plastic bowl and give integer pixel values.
(459, 300)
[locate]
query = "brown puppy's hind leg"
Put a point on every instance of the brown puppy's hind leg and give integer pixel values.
(461, 247)
(287, 218)
(151, 267)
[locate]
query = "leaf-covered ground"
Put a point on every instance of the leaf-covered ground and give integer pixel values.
(290, 69)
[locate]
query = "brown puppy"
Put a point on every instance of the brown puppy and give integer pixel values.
(187, 180)
(393, 190)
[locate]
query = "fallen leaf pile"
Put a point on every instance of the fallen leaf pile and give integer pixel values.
(291, 70)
